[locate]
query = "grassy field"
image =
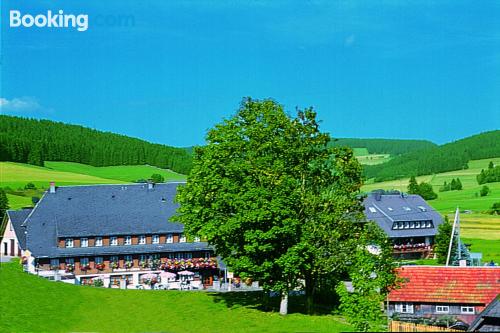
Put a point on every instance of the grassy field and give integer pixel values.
(480, 230)
(364, 157)
(32, 304)
(126, 173)
(17, 175)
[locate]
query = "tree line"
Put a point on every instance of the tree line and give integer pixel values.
(35, 141)
(491, 175)
(393, 147)
(448, 157)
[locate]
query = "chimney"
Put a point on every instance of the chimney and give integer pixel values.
(150, 184)
(52, 188)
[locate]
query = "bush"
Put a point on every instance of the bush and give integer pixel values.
(30, 186)
(157, 178)
(485, 190)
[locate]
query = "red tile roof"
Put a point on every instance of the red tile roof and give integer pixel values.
(431, 284)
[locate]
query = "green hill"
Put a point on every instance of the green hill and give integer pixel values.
(448, 157)
(35, 141)
(14, 177)
(392, 147)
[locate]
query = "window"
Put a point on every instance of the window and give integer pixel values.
(171, 256)
(142, 239)
(182, 238)
(54, 263)
(412, 225)
(69, 242)
(128, 258)
(84, 261)
(188, 255)
(372, 209)
(128, 240)
(170, 238)
(407, 225)
(442, 309)
(467, 309)
(429, 224)
(156, 239)
(407, 208)
(70, 261)
(417, 225)
(84, 242)
(395, 225)
(143, 257)
(98, 241)
(98, 260)
(404, 307)
(422, 208)
(180, 255)
(113, 259)
(390, 209)
(113, 240)
(401, 225)
(207, 255)
(196, 239)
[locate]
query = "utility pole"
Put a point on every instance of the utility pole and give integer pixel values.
(456, 222)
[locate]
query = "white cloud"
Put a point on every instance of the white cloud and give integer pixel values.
(20, 105)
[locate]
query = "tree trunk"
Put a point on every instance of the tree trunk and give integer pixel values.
(284, 303)
(309, 289)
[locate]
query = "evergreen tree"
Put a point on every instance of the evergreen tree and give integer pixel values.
(425, 191)
(458, 185)
(491, 165)
(442, 241)
(4, 204)
(413, 185)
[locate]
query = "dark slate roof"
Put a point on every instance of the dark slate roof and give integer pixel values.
(98, 210)
(17, 217)
(392, 208)
(489, 319)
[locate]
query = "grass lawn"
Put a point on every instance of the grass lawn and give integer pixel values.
(126, 173)
(18, 202)
(489, 248)
(30, 303)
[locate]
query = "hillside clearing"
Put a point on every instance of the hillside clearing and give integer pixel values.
(125, 173)
(30, 303)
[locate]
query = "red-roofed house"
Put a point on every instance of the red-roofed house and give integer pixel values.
(433, 291)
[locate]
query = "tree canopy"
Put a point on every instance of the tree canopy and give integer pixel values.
(277, 203)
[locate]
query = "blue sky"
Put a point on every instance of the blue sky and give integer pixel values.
(166, 71)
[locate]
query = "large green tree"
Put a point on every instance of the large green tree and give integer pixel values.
(278, 204)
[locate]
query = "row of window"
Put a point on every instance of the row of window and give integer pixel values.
(413, 225)
(408, 308)
(127, 240)
(127, 258)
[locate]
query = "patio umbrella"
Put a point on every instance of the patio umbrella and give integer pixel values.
(149, 276)
(167, 275)
(185, 273)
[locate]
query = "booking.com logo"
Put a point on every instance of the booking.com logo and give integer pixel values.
(60, 19)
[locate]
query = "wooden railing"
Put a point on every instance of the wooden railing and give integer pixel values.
(399, 326)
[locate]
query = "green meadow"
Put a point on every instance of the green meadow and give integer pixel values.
(365, 158)
(125, 173)
(17, 175)
(33, 304)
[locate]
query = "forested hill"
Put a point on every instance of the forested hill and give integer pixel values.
(385, 146)
(448, 157)
(35, 141)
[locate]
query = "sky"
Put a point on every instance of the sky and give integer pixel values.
(167, 71)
